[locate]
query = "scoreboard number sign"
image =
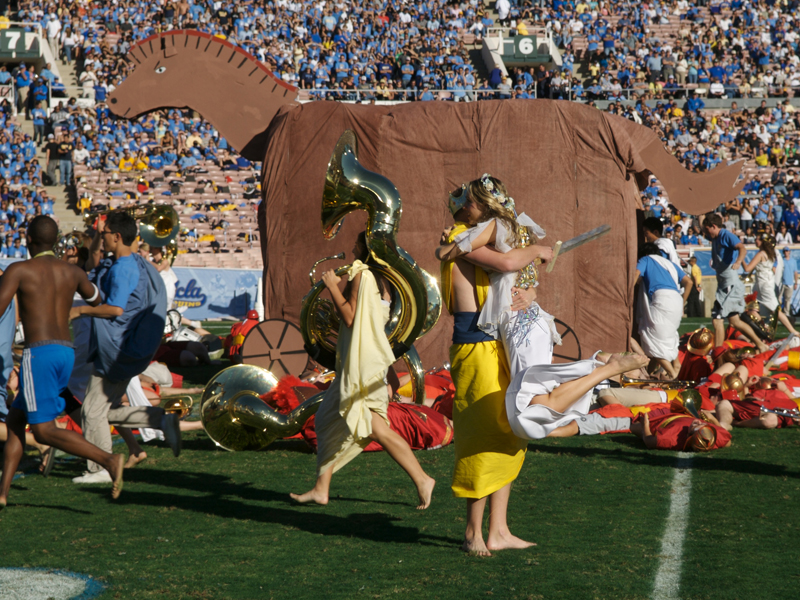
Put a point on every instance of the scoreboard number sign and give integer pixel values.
(525, 46)
(15, 43)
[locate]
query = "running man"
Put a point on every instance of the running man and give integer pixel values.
(44, 287)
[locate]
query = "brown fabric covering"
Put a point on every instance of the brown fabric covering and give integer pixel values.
(566, 165)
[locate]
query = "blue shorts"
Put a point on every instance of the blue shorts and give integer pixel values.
(43, 375)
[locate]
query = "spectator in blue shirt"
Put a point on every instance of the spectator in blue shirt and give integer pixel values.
(39, 116)
(789, 280)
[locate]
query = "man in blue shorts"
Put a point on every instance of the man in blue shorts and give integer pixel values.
(729, 302)
(45, 287)
(126, 332)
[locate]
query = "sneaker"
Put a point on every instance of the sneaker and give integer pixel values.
(216, 355)
(171, 426)
(96, 477)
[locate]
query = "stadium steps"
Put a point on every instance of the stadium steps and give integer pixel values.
(67, 218)
(474, 50)
(64, 200)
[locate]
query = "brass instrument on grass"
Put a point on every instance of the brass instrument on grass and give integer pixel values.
(688, 402)
(664, 384)
(417, 301)
(790, 413)
(178, 404)
(236, 418)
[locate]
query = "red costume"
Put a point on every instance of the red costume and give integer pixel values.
(694, 367)
(233, 343)
(422, 427)
(673, 431)
(744, 410)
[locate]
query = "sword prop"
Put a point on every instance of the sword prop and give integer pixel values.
(784, 345)
(589, 236)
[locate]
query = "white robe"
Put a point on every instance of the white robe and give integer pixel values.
(536, 421)
(528, 336)
(660, 317)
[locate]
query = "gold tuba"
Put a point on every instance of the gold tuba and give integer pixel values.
(236, 418)
(418, 303)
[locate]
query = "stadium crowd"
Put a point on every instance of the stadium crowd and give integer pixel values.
(672, 53)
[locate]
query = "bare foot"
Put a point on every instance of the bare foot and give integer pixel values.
(507, 542)
(116, 474)
(475, 547)
(3, 502)
(602, 356)
(425, 492)
(310, 496)
(627, 362)
(135, 459)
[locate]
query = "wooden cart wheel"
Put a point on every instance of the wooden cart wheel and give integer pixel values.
(275, 345)
(570, 348)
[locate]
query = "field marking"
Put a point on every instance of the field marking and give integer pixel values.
(47, 584)
(668, 578)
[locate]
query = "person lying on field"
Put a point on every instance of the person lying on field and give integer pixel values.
(761, 394)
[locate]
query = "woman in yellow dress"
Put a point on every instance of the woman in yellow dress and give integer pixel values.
(353, 412)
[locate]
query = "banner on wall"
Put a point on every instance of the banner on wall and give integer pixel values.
(207, 293)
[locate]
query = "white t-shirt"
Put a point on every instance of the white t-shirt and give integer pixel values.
(503, 7)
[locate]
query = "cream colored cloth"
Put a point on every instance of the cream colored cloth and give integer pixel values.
(343, 422)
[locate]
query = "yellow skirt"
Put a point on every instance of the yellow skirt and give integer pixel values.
(488, 454)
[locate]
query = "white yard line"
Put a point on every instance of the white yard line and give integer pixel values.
(668, 579)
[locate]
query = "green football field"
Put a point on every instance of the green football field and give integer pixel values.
(214, 524)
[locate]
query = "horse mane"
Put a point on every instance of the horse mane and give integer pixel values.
(183, 37)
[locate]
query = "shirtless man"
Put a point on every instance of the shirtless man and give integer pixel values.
(44, 287)
(488, 454)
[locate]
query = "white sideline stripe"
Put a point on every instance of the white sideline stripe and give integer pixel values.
(668, 577)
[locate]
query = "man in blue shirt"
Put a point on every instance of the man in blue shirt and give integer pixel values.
(729, 302)
(789, 281)
(662, 304)
(791, 217)
(126, 332)
(39, 115)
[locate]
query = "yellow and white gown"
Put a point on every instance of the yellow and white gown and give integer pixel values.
(343, 422)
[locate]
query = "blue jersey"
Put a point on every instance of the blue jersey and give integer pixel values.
(789, 268)
(723, 250)
(120, 281)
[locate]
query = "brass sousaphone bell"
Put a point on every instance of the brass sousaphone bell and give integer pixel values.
(235, 416)
(417, 300)
(688, 402)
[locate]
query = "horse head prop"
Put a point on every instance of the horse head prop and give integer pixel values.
(190, 69)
